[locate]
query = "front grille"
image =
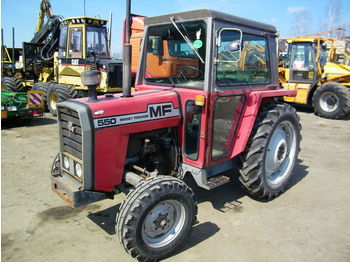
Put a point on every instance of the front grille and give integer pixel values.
(71, 131)
(115, 75)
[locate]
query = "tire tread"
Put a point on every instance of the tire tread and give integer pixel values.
(343, 93)
(139, 198)
(251, 161)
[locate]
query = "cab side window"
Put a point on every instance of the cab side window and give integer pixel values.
(62, 46)
(242, 59)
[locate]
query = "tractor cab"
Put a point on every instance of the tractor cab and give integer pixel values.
(82, 38)
(309, 59)
(301, 65)
(213, 63)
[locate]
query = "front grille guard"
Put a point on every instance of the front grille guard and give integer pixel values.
(77, 136)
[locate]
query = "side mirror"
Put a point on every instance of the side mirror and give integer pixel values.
(234, 46)
(230, 44)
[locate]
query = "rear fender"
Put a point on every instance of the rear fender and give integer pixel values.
(253, 104)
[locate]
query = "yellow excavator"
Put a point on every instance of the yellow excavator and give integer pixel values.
(319, 69)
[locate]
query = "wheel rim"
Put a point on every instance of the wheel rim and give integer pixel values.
(280, 153)
(53, 100)
(329, 102)
(163, 223)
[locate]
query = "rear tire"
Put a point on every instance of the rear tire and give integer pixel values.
(43, 87)
(156, 218)
(59, 93)
(13, 84)
(272, 149)
(331, 100)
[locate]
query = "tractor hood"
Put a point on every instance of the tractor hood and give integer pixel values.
(115, 110)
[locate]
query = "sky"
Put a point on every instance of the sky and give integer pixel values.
(22, 14)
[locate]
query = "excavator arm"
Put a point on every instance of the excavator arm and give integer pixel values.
(45, 41)
(45, 9)
(52, 25)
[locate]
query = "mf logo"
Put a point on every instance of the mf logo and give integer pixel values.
(71, 128)
(154, 112)
(160, 110)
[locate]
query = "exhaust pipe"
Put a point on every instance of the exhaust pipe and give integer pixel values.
(91, 79)
(13, 50)
(2, 49)
(127, 53)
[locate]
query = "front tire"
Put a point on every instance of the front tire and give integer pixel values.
(331, 100)
(156, 217)
(272, 149)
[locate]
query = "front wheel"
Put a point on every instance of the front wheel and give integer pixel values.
(156, 217)
(272, 149)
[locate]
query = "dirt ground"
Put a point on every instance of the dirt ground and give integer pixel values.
(309, 222)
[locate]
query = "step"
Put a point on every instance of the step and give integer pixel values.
(216, 181)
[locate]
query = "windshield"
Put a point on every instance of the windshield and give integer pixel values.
(176, 55)
(96, 41)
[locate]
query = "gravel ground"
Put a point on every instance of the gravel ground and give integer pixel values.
(309, 222)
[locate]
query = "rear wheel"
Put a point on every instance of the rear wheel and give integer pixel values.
(58, 93)
(13, 84)
(331, 100)
(156, 217)
(272, 150)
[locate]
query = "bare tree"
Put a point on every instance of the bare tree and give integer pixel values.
(301, 23)
(333, 8)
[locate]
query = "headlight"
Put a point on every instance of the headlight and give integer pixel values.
(78, 170)
(12, 108)
(66, 162)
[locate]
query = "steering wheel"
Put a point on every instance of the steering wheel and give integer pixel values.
(184, 68)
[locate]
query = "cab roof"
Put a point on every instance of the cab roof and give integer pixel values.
(310, 39)
(313, 39)
(84, 20)
(208, 13)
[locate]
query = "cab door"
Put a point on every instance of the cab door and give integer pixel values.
(71, 55)
(242, 65)
(75, 45)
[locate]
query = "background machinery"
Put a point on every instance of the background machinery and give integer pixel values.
(21, 106)
(318, 68)
(198, 110)
(59, 52)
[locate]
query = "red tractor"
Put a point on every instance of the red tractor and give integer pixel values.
(206, 100)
